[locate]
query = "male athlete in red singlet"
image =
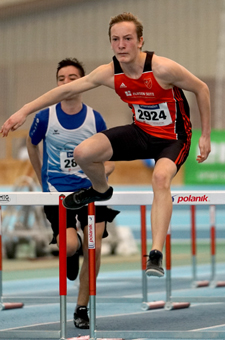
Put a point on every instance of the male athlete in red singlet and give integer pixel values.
(159, 112)
(152, 86)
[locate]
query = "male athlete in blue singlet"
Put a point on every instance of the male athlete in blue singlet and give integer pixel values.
(62, 127)
(152, 86)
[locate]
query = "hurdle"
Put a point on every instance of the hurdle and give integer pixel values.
(146, 305)
(145, 198)
(5, 305)
(119, 198)
(212, 282)
(32, 198)
(168, 304)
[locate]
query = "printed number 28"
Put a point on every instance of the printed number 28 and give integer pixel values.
(70, 163)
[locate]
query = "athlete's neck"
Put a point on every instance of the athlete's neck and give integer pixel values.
(72, 106)
(134, 69)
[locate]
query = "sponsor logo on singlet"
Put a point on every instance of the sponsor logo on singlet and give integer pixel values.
(148, 83)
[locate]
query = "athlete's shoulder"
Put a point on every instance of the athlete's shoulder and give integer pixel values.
(164, 66)
(97, 114)
(39, 126)
(99, 121)
(43, 115)
(103, 75)
(165, 70)
(106, 69)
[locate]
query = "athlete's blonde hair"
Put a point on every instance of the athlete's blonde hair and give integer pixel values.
(126, 17)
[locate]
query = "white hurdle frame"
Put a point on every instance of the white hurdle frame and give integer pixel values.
(119, 198)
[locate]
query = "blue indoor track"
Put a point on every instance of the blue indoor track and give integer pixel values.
(117, 316)
(41, 311)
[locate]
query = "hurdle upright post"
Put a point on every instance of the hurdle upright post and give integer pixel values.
(168, 305)
(195, 282)
(0, 258)
(193, 243)
(143, 252)
(213, 240)
(62, 267)
(92, 268)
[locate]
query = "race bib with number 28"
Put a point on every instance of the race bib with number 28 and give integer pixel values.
(67, 162)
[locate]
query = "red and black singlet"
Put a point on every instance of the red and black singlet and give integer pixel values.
(159, 112)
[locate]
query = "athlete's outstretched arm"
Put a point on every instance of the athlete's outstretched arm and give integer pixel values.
(103, 75)
(171, 73)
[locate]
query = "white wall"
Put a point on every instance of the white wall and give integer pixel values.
(32, 44)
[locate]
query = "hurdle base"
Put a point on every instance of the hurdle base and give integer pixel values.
(10, 305)
(176, 305)
(200, 284)
(152, 305)
(87, 337)
(217, 284)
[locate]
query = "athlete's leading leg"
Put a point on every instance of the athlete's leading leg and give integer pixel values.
(161, 212)
(91, 155)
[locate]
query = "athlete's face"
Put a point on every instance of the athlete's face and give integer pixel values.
(67, 74)
(124, 41)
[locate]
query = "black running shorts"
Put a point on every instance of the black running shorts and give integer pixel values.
(129, 143)
(102, 214)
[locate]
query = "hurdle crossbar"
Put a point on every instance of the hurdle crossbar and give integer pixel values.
(119, 198)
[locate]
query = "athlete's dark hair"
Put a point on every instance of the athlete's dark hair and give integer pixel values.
(71, 62)
(126, 17)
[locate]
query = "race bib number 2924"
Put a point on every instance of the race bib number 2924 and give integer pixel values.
(155, 115)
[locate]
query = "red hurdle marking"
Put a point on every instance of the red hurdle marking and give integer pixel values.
(168, 250)
(87, 337)
(92, 268)
(179, 305)
(62, 266)
(153, 305)
(143, 237)
(62, 249)
(201, 284)
(213, 230)
(11, 305)
(143, 257)
(220, 284)
(91, 249)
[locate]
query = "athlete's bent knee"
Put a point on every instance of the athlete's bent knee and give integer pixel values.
(81, 153)
(160, 180)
